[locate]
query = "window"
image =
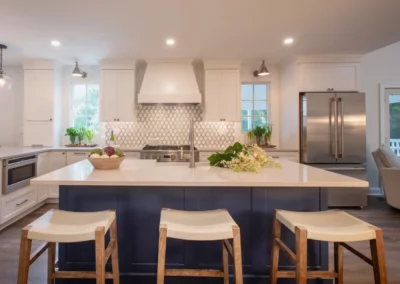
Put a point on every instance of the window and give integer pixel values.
(84, 107)
(254, 106)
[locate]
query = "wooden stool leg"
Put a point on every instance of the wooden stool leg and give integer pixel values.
(162, 245)
(114, 254)
(378, 258)
(24, 257)
(276, 234)
(100, 255)
(225, 262)
(301, 255)
(338, 256)
(51, 259)
(237, 255)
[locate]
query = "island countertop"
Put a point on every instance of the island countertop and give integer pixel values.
(134, 172)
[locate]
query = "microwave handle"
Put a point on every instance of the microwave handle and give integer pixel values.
(22, 163)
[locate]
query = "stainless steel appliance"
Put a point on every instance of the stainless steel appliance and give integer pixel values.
(168, 153)
(333, 137)
(17, 172)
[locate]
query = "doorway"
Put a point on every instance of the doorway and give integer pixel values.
(390, 117)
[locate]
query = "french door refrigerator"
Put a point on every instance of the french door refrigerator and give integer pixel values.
(333, 137)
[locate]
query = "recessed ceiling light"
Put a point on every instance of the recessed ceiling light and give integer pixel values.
(288, 41)
(170, 41)
(55, 43)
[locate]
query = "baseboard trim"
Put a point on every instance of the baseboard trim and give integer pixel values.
(375, 191)
(16, 218)
(52, 200)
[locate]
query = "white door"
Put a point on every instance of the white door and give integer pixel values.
(109, 95)
(126, 95)
(38, 95)
(390, 119)
(74, 157)
(38, 133)
(212, 94)
(43, 165)
(58, 160)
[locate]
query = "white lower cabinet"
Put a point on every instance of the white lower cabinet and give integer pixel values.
(18, 202)
(58, 160)
(291, 156)
(74, 157)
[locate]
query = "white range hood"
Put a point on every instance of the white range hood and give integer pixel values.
(169, 83)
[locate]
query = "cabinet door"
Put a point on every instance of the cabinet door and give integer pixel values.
(229, 99)
(126, 95)
(74, 157)
(43, 165)
(321, 77)
(38, 95)
(212, 94)
(58, 160)
(38, 133)
(109, 95)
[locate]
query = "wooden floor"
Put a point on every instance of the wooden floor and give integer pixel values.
(356, 271)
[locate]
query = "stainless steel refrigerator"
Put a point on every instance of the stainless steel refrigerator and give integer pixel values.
(333, 137)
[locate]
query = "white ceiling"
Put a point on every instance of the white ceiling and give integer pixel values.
(90, 30)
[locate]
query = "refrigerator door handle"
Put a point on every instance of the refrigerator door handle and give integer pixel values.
(341, 104)
(334, 141)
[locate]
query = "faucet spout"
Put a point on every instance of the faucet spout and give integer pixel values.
(192, 163)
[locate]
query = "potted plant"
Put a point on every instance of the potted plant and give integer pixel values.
(81, 134)
(250, 137)
(72, 132)
(89, 134)
(259, 134)
(268, 134)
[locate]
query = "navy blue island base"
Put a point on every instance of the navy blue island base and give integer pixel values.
(138, 215)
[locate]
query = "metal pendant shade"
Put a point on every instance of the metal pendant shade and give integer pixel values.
(5, 81)
(262, 71)
(77, 71)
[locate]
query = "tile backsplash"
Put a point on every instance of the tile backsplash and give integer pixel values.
(171, 124)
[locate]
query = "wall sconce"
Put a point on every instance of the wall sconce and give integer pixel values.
(262, 71)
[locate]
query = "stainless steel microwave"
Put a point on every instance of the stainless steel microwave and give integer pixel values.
(17, 172)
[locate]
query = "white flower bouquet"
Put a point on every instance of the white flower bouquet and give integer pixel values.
(243, 158)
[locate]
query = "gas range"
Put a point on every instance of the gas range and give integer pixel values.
(168, 153)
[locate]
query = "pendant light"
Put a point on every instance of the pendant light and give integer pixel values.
(5, 81)
(77, 72)
(262, 71)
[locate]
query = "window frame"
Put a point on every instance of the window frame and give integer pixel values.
(72, 116)
(267, 102)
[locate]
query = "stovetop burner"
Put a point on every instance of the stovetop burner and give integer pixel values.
(167, 147)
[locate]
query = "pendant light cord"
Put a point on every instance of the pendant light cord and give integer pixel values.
(1, 60)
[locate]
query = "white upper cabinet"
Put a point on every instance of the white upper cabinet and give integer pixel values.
(38, 95)
(222, 95)
(117, 91)
(38, 133)
(328, 77)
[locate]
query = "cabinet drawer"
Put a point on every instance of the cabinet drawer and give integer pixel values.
(16, 206)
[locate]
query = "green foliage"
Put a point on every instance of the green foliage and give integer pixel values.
(394, 109)
(259, 131)
(230, 153)
(268, 134)
(89, 134)
(72, 132)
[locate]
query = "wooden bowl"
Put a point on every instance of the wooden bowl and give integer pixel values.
(106, 164)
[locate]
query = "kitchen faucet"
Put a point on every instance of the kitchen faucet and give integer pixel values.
(192, 163)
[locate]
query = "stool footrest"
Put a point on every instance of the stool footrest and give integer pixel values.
(194, 272)
(310, 274)
(78, 275)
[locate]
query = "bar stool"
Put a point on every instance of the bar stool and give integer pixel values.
(200, 226)
(331, 226)
(58, 226)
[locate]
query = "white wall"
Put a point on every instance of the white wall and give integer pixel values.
(377, 67)
(289, 106)
(11, 108)
(93, 77)
(246, 76)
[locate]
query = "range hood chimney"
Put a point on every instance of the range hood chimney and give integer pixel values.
(170, 83)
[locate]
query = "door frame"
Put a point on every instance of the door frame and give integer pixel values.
(382, 117)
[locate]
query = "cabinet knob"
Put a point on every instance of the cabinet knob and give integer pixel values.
(51, 119)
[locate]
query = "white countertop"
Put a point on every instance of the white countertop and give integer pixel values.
(10, 152)
(135, 172)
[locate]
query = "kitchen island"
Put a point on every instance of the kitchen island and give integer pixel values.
(140, 188)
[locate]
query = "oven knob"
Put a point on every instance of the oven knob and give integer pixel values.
(173, 157)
